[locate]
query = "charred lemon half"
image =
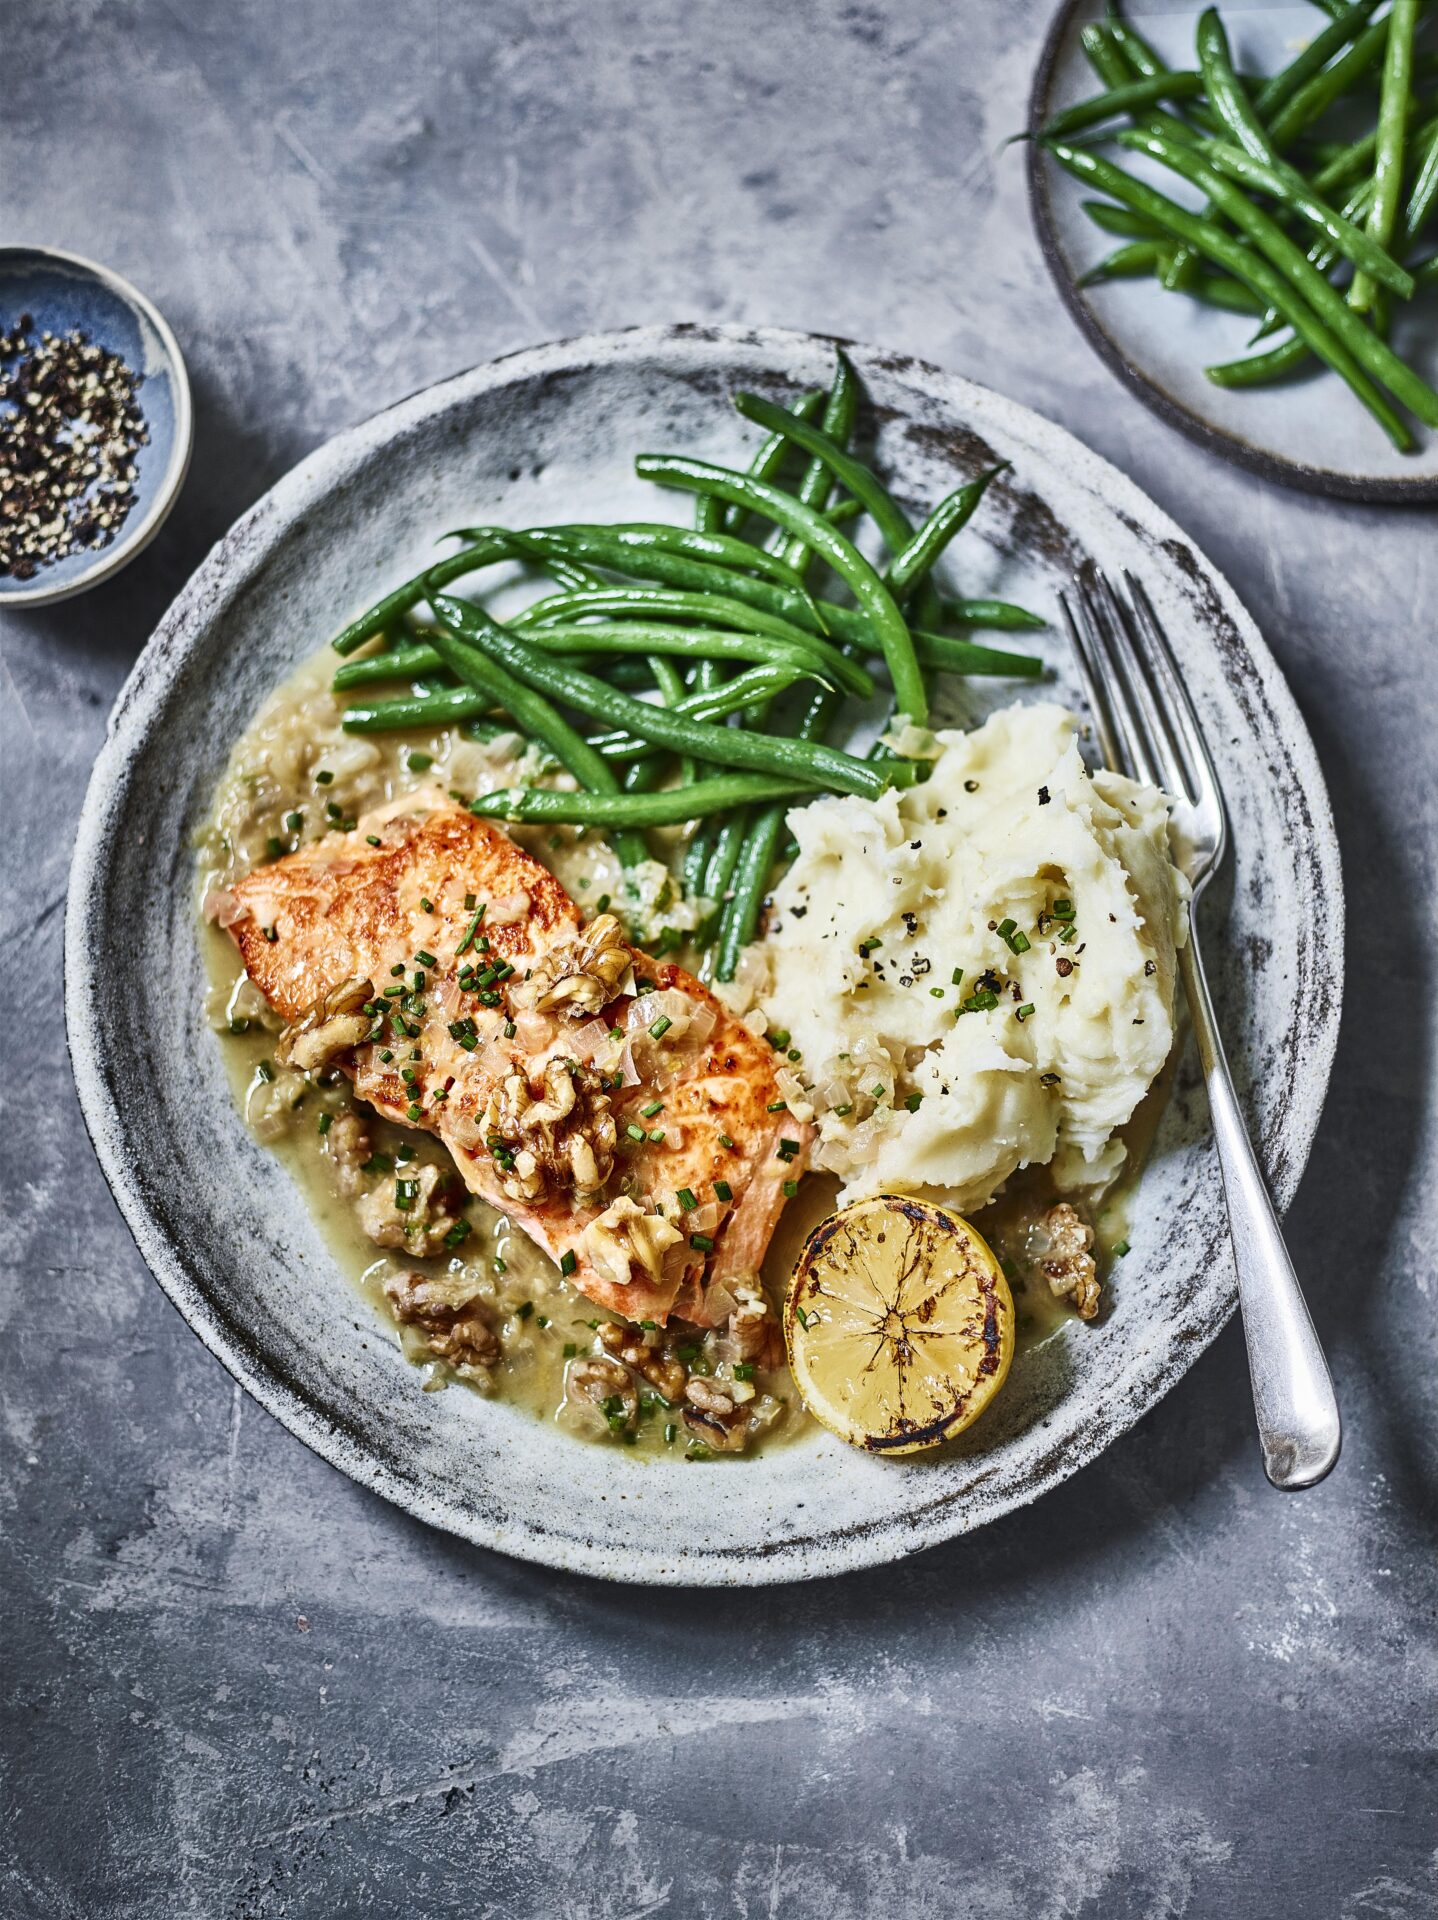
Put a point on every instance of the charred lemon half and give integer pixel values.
(900, 1324)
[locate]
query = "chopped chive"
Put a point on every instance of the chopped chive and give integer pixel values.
(840, 1112)
(568, 1261)
(426, 959)
(876, 1092)
(1023, 1012)
(326, 1121)
(701, 1243)
(323, 777)
(372, 840)
(660, 1027)
(602, 902)
(418, 762)
(653, 1107)
(570, 1349)
(657, 1137)
(726, 1142)
(265, 1071)
(405, 1194)
(509, 1029)
(723, 1189)
(777, 1106)
(457, 1234)
(294, 821)
(787, 1149)
(635, 1133)
(468, 939)
(744, 1370)
(524, 1311)
(685, 1197)
(791, 1187)
(1120, 1248)
(914, 1102)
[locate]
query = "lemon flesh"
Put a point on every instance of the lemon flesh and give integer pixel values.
(900, 1324)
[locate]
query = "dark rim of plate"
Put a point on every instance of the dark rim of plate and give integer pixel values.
(1228, 446)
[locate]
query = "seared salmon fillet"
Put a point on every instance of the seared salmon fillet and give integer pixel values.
(604, 1101)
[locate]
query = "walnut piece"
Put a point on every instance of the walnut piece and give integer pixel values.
(1067, 1263)
(601, 1380)
(580, 977)
(330, 1026)
(455, 1333)
(637, 1348)
(716, 1413)
(625, 1238)
(419, 1228)
(563, 1136)
(349, 1147)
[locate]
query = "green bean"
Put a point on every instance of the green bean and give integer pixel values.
(860, 480)
(1288, 187)
(1393, 101)
(627, 538)
(385, 611)
(1317, 95)
(1118, 101)
(533, 712)
(1277, 92)
(1115, 63)
(567, 612)
(1337, 321)
(768, 462)
(1423, 200)
(756, 686)
(728, 843)
(1261, 369)
(1321, 256)
(1245, 264)
(1122, 221)
(418, 710)
(661, 603)
(917, 560)
(696, 857)
(725, 746)
(840, 411)
(951, 655)
(668, 808)
(398, 663)
(1002, 615)
(1225, 89)
(875, 600)
(1138, 259)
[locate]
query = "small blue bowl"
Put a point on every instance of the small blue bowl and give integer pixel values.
(60, 291)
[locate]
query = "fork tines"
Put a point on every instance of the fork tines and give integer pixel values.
(1146, 724)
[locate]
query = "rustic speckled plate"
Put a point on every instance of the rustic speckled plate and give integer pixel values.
(547, 435)
(1307, 432)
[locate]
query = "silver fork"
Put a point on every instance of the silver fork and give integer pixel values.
(1147, 729)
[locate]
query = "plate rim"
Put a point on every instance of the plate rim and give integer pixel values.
(1377, 490)
(222, 577)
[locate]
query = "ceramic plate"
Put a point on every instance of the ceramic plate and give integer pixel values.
(549, 435)
(1307, 432)
(60, 291)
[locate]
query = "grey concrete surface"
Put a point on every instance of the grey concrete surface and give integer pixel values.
(237, 1686)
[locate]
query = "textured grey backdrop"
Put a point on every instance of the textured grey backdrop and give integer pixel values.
(234, 1684)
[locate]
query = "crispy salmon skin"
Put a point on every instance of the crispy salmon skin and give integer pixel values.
(606, 1102)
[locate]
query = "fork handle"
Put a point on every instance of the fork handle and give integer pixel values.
(1298, 1422)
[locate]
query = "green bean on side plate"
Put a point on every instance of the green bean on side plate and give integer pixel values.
(1327, 232)
(693, 683)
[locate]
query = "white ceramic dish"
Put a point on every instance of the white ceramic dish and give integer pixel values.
(1306, 432)
(550, 434)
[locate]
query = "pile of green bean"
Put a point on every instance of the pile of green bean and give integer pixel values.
(694, 674)
(1302, 232)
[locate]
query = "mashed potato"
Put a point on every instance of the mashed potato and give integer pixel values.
(979, 973)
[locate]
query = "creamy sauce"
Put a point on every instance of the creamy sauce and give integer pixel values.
(275, 796)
